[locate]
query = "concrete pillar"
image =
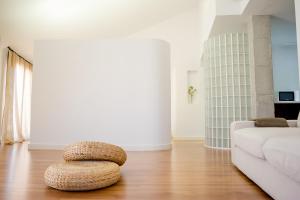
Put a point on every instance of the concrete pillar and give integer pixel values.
(261, 68)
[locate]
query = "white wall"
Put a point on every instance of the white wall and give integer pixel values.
(229, 7)
(244, 4)
(186, 34)
(207, 13)
(297, 13)
(182, 32)
(228, 24)
(284, 55)
(117, 91)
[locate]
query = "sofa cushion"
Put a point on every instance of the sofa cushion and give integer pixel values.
(271, 122)
(252, 140)
(283, 152)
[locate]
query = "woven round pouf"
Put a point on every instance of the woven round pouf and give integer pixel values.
(82, 176)
(95, 151)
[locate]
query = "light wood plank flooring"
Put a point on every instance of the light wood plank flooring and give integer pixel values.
(188, 171)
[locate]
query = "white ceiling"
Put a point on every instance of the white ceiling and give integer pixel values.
(284, 9)
(23, 21)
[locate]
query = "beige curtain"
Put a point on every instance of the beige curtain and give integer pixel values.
(15, 121)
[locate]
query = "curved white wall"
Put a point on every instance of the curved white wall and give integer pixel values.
(117, 91)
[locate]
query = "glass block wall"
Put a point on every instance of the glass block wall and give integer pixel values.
(226, 63)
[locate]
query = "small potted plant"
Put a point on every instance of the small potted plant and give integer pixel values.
(191, 93)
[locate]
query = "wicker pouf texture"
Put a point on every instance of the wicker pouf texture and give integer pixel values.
(82, 176)
(89, 150)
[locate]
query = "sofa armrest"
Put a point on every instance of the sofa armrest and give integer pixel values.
(292, 123)
(240, 125)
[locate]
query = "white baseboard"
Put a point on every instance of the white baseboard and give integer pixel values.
(159, 147)
(188, 138)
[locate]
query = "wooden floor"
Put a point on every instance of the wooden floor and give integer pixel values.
(189, 171)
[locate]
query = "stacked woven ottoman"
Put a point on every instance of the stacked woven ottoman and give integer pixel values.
(87, 166)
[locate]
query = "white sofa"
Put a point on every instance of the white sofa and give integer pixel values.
(268, 156)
